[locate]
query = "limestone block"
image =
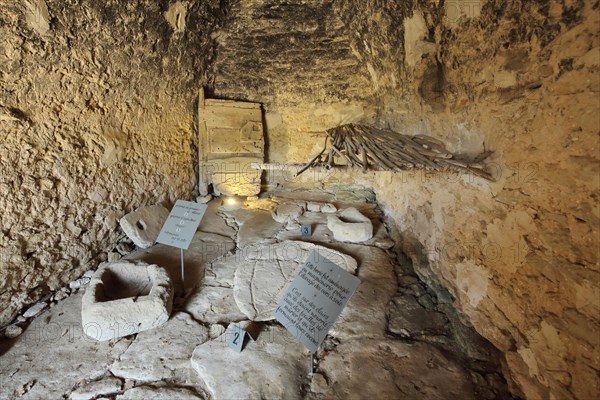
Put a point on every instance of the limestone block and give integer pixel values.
(214, 305)
(204, 199)
(124, 298)
(34, 310)
(236, 184)
(12, 331)
(313, 206)
(289, 211)
(234, 137)
(162, 354)
(350, 226)
(144, 224)
(37, 16)
(271, 367)
(328, 208)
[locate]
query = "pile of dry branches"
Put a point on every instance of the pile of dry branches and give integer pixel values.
(384, 150)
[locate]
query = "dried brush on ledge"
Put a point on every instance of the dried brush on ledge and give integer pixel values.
(383, 150)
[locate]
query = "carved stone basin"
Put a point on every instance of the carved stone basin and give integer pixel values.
(350, 226)
(124, 298)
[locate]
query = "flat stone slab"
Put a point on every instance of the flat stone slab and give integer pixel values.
(144, 224)
(204, 249)
(385, 369)
(53, 355)
(254, 225)
(124, 298)
(214, 305)
(213, 222)
(35, 310)
(272, 367)
(286, 212)
(160, 393)
(264, 271)
(92, 390)
(364, 316)
(220, 273)
(162, 354)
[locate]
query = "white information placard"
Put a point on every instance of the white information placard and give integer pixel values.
(180, 227)
(315, 299)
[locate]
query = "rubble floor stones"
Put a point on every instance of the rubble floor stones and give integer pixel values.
(364, 356)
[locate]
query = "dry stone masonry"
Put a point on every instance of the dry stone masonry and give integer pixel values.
(96, 114)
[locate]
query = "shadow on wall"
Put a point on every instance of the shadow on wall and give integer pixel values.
(474, 351)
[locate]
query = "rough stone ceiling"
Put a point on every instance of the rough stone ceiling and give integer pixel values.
(298, 51)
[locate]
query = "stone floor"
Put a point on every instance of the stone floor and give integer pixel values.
(393, 340)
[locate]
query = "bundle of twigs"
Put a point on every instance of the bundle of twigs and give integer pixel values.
(383, 150)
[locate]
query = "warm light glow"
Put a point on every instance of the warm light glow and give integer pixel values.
(232, 203)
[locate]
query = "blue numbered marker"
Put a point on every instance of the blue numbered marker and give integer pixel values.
(306, 230)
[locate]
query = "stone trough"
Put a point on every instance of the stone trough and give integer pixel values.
(124, 298)
(350, 226)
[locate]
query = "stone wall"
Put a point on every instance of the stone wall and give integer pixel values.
(96, 119)
(518, 256)
(96, 106)
(518, 80)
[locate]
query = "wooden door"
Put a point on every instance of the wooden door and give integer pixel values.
(231, 139)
